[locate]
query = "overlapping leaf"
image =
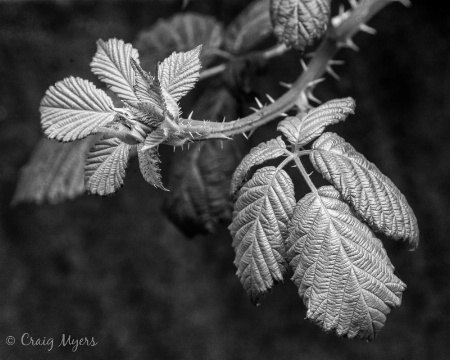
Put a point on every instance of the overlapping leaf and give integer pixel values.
(340, 267)
(249, 28)
(55, 172)
(298, 23)
(73, 108)
(373, 196)
(259, 228)
(112, 64)
(181, 32)
(179, 72)
(263, 152)
(148, 92)
(149, 165)
(105, 166)
(301, 129)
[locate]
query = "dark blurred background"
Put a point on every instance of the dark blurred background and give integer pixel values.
(117, 270)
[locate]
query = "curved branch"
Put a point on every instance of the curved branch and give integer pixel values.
(339, 34)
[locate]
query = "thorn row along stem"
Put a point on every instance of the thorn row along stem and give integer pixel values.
(337, 36)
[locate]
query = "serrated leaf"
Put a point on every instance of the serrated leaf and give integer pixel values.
(179, 72)
(112, 65)
(148, 92)
(259, 229)
(154, 139)
(301, 129)
(249, 28)
(54, 173)
(341, 269)
(105, 166)
(199, 196)
(298, 23)
(263, 152)
(149, 165)
(372, 195)
(180, 32)
(73, 108)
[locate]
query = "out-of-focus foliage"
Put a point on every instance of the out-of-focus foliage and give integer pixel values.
(180, 32)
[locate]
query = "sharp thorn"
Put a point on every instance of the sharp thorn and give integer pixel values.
(313, 83)
(259, 102)
(336, 62)
(311, 96)
(192, 136)
(284, 114)
(245, 135)
(198, 133)
(254, 109)
(190, 115)
(367, 29)
(332, 73)
(286, 85)
(251, 132)
(302, 62)
(223, 120)
(270, 98)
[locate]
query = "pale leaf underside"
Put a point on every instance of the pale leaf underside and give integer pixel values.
(301, 129)
(250, 27)
(179, 72)
(105, 166)
(265, 151)
(298, 23)
(54, 173)
(149, 165)
(154, 139)
(372, 195)
(73, 108)
(341, 269)
(112, 64)
(259, 229)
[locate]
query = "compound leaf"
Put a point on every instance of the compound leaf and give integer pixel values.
(179, 72)
(149, 165)
(301, 129)
(73, 108)
(372, 195)
(54, 173)
(263, 152)
(298, 23)
(259, 229)
(180, 32)
(249, 28)
(105, 166)
(112, 65)
(340, 267)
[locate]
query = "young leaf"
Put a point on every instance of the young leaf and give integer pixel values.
(298, 23)
(154, 139)
(148, 92)
(112, 65)
(181, 32)
(54, 173)
(105, 166)
(341, 269)
(301, 129)
(73, 108)
(263, 152)
(259, 229)
(149, 165)
(372, 195)
(179, 72)
(250, 27)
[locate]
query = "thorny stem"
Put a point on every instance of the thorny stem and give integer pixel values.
(339, 34)
(305, 174)
(270, 53)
